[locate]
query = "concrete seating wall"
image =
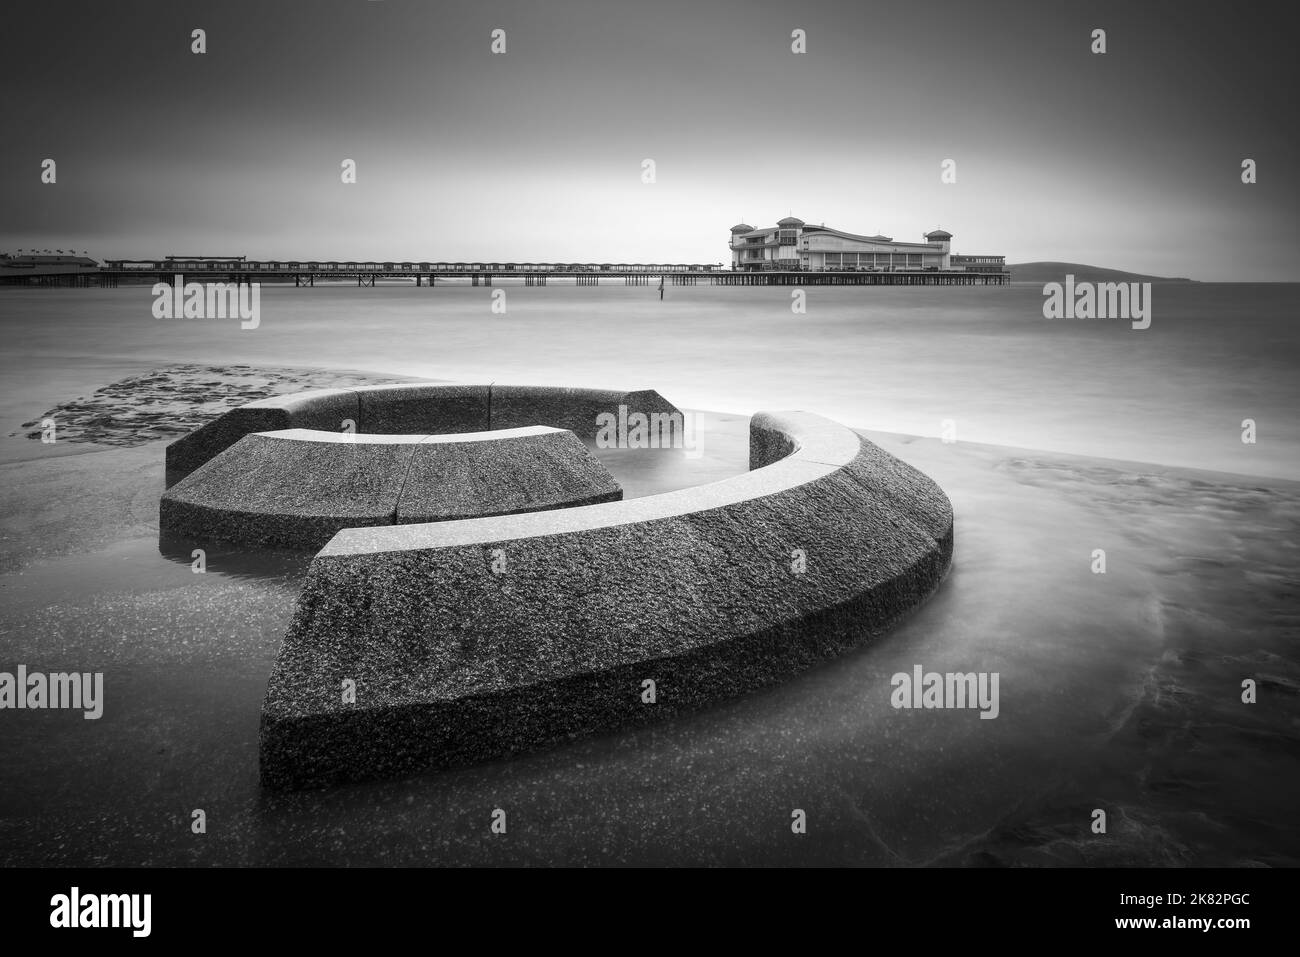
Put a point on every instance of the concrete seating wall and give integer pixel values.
(296, 488)
(467, 640)
(414, 408)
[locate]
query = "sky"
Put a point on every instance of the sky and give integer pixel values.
(1129, 159)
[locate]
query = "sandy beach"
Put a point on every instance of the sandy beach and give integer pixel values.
(1120, 691)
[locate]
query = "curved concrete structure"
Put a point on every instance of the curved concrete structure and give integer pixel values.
(296, 488)
(472, 639)
(409, 408)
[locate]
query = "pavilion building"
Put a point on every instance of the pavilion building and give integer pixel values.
(794, 245)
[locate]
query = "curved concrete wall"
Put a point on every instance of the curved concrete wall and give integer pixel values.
(324, 409)
(473, 639)
(296, 488)
(414, 408)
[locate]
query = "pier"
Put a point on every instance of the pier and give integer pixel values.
(309, 273)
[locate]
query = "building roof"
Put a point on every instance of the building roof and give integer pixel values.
(790, 221)
(938, 234)
(840, 232)
(742, 228)
(52, 259)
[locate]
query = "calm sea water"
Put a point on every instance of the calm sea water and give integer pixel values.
(891, 359)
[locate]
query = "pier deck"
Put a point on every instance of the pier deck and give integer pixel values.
(534, 275)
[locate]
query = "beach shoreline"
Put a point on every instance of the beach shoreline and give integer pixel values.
(1120, 690)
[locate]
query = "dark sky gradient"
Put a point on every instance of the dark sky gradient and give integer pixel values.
(1131, 159)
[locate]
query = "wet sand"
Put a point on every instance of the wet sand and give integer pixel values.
(1118, 691)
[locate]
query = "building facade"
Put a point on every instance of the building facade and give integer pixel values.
(45, 264)
(795, 246)
(980, 263)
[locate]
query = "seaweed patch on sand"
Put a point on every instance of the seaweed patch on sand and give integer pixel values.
(175, 400)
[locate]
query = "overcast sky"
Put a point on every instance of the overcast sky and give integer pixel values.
(1130, 159)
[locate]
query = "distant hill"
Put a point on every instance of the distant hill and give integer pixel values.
(1082, 272)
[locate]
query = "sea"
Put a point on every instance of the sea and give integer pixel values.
(982, 361)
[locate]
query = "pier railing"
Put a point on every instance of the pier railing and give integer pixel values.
(486, 274)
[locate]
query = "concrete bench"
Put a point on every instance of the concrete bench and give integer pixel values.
(409, 408)
(295, 488)
(467, 640)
